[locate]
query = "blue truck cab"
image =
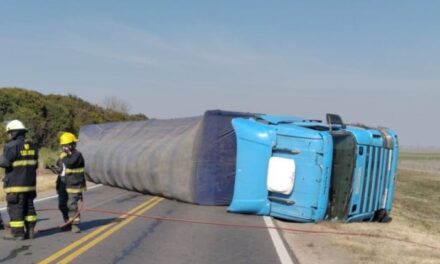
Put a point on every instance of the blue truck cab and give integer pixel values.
(304, 170)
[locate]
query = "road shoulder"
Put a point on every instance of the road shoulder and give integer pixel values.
(309, 247)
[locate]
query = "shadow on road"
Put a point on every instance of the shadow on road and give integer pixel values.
(84, 226)
(15, 252)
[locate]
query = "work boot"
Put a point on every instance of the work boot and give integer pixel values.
(66, 227)
(30, 234)
(29, 230)
(2, 227)
(76, 229)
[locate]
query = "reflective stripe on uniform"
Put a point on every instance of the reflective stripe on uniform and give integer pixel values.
(78, 170)
(71, 190)
(30, 218)
(17, 189)
(29, 152)
(16, 224)
(21, 163)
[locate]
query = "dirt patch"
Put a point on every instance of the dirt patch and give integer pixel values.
(310, 247)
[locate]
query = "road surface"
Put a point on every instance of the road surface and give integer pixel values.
(112, 238)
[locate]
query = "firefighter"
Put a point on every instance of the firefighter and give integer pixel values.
(63, 197)
(20, 160)
(71, 182)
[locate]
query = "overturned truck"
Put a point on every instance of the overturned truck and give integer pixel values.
(288, 167)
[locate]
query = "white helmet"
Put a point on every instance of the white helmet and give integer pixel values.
(15, 125)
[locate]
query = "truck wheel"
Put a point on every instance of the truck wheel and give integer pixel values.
(382, 216)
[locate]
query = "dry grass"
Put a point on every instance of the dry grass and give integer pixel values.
(419, 156)
(416, 217)
(420, 165)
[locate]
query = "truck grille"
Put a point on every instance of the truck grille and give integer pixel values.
(376, 179)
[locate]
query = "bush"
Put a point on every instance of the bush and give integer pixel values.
(46, 115)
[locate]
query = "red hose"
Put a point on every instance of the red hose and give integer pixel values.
(161, 218)
(81, 208)
(254, 226)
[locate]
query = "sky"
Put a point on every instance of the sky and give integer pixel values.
(372, 62)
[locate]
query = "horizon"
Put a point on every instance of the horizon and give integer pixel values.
(405, 148)
(370, 62)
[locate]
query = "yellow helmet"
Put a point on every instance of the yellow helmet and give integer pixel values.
(15, 125)
(67, 138)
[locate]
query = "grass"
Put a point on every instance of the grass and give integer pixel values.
(417, 200)
(416, 217)
(416, 156)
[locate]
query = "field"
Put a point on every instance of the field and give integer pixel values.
(419, 156)
(416, 214)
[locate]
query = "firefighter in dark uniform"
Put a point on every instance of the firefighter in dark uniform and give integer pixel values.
(71, 182)
(20, 160)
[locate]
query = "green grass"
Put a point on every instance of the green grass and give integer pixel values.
(415, 156)
(47, 156)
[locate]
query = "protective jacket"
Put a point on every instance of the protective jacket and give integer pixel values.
(72, 167)
(20, 160)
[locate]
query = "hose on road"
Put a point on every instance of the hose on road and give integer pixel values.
(61, 226)
(225, 224)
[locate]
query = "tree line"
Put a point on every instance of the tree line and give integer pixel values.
(46, 115)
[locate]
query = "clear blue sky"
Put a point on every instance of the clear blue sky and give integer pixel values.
(375, 62)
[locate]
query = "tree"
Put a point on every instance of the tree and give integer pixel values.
(46, 115)
(116, 104)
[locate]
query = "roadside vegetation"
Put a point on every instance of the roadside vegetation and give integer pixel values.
(416, 221)
(413, 156)
(47, 115)
(416, 217)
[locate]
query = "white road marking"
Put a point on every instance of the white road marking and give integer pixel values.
(277, 242)
(55, 196)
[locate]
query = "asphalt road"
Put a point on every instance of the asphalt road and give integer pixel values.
(111, 238)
